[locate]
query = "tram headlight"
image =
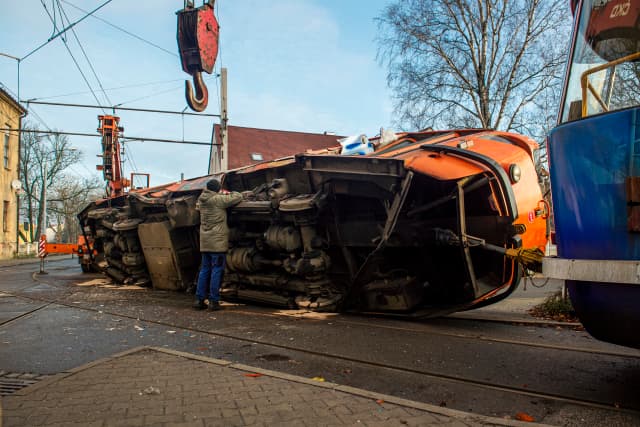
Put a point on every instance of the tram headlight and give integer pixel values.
(515, 173)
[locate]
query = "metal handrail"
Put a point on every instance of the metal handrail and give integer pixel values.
(584, 82)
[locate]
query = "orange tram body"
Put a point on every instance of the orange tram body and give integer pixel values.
(423, 225)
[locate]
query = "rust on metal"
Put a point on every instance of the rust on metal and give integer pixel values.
(632, 188)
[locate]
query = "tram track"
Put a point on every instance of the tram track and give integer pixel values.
(428, 330)
(356, 361)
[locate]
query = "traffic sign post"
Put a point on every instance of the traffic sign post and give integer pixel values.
(42, 252)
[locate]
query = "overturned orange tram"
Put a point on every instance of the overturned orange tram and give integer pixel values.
(420, 226)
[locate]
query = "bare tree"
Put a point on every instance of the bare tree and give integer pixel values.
(43, 159)
(67, 197)
(475, 63)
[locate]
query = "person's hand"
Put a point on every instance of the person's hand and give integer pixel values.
(247, 194)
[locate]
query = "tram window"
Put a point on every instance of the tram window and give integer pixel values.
(600, 43)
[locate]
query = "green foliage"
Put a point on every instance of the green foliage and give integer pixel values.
(556, 305)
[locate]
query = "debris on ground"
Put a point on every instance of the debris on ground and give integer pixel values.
(151, 390)
(523, 416)
(556, 308)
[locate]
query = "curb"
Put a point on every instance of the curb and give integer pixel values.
(24, 261)
(62, 375)
(437, 410)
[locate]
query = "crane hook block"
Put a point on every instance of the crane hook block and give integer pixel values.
(198, 35)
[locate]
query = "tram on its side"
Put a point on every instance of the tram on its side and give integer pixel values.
(594, 158)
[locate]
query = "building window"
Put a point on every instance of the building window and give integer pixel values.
(5, 216)
(256, 157)
(6, 150)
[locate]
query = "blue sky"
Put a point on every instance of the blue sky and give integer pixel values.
(303, 65)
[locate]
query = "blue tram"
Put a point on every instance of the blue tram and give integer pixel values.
(594, 159)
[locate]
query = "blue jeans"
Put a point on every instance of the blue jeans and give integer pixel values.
(210, 277)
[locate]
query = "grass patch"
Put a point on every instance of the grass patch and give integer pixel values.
(555, 308)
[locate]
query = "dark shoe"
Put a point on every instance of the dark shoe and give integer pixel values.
(214, 306)
(199, 304)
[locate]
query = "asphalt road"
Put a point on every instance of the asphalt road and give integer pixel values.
(58, 321)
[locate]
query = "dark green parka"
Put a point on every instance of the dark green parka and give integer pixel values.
(214, 232)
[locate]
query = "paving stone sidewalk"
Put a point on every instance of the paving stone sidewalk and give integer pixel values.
(159, 387)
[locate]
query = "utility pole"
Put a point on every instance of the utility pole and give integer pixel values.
(224, 118)
(43, 220)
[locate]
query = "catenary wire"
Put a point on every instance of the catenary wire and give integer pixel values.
(109, 88)
(151, 95)
(86, 57)
(63, 30)
(219, 62)
(73, 58)
(127, 153)
(128, 138)
(145, 110)
(175, 88)
(123, 30)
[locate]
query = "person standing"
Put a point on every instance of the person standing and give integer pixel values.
(214, 242)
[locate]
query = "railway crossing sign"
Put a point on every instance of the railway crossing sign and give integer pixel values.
(42, 252)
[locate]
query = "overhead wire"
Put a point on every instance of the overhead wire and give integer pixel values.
(217, 12)
(219, 61)
(123, 30)
(128, 138)
(115, 107)
(126, 152)
(29, 108)
(86, 57)
(60, 16)
(109, 89)
(83, 76)
(175, 88)
(41, 120)
(72, 57)
(55, 25)
(151, 95)
(129, 157)
(53, 37)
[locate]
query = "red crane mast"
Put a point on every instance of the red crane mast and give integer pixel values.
(111, 166)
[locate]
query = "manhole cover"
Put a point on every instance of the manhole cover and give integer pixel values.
(9, 386)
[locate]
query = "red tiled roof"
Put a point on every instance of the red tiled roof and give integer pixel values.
(271, 144)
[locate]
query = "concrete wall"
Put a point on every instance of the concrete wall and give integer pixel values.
(10, 117)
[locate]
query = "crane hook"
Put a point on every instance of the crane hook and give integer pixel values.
(201, 99)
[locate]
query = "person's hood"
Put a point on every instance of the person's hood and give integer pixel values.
(207, 194)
